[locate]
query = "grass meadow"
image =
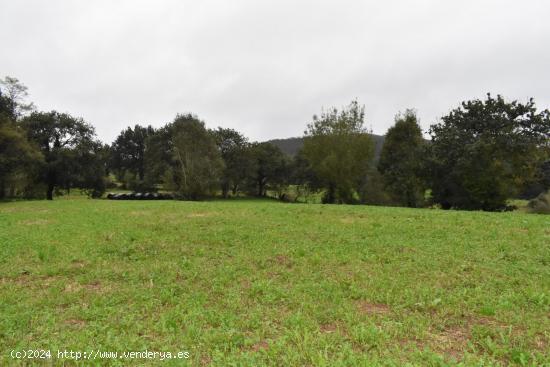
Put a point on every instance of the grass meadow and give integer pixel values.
(258, 282)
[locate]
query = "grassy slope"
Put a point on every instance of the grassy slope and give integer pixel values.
(258, 282)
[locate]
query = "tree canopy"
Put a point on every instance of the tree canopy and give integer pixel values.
(238, 161)
(483, 152)
(401, 161)
(59, 136)
(197, 162)
(340, 152)
(480, 155)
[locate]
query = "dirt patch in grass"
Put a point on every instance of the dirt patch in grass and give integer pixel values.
(328, 328)
(108, 237)
(76, 322)
(35, 222)
(542, 343)
(368, 308)
(206, 361)
(22, 279)
(79, 264)
(28, 280)
(95, 287)
(256, 347)
(282, 260)
(453, 340)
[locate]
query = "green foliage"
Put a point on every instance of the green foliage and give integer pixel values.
(340, 152)
(373, 192)
(13, 95)
(197, 161)
(128, 153)
(482, 153)
(67, 144)
(158, 155)
(271, 169)
(401, 161)
(18, 161)
(303, 177)
(540, 204)
(238, 160)
(91, 175)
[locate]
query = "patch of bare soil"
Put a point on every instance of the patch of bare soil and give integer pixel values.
(284, 260)
(206, 361)
(328, 328)
(368, 308)
(542, 343)
(28, 280)
(453, 340)
(76, 322)
(95, 287)
(262, 345)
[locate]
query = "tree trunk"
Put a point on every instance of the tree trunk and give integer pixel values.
(49, 192)
(260, 187)
(330, 196)
(51, 179)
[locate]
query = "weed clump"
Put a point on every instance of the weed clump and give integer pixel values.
(540, 204)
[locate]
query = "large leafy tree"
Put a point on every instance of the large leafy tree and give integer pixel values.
(271, 168)
(239, 163)
(159, 156)
(483, 152)
(340, 152)
(128, 152)
(59, 137)
(18, 157)
(92, 158)
(196, 160)
(303, 177)
(401, 161)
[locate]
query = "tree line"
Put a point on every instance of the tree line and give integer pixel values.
(477, 157)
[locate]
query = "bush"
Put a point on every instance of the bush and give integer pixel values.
(540, 204)
(96, 188)
(110, 183)
(373, 192)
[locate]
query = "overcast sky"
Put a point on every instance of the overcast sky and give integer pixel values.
(265, 67)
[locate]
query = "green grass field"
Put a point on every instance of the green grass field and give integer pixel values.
(251, 283)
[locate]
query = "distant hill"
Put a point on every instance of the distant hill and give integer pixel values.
(291, 146)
